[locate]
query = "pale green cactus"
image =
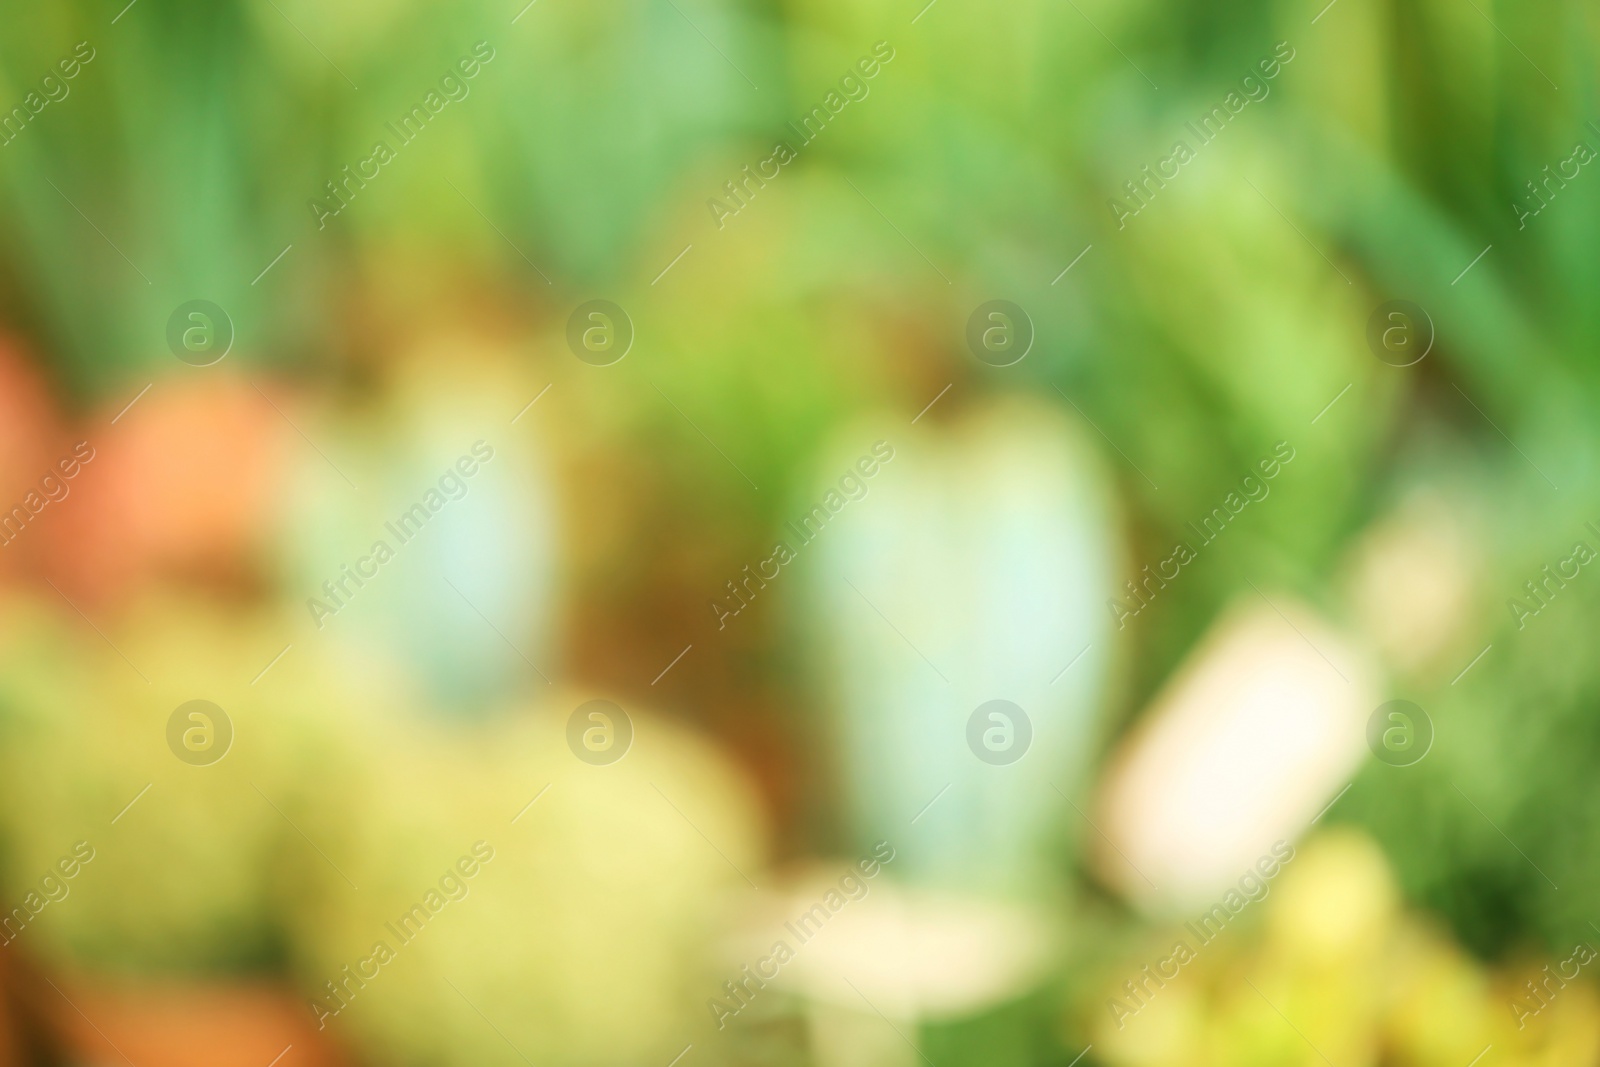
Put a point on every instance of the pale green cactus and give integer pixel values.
(975, 568)
(445, 508)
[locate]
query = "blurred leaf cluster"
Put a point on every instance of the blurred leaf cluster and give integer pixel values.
(1225, 317)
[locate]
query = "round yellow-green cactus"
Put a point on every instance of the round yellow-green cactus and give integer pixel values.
(179, 819)
(504, 892)
(1333, 969)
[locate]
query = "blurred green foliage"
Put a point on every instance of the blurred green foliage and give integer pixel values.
(1220, 320)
